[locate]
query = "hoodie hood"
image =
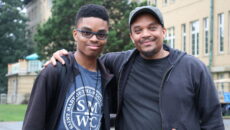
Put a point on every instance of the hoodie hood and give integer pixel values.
(174, 57)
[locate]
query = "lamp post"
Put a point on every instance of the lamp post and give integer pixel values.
(211, 26)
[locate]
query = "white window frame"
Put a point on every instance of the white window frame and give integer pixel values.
(195, 43)
(170, 37)
(206, 36)
(221, 33)
(34, 66)
(183, 37)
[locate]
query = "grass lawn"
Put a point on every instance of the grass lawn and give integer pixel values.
(9, 112)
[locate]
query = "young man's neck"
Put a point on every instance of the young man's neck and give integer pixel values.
(89, 63)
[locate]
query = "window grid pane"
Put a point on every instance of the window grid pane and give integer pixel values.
(195, 38)
(183, 37)
(170, 37)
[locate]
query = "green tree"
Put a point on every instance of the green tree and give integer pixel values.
(56, 33)
(13, 41)
(119, 33)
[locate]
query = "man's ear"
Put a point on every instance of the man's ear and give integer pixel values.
(164, 32)
(130, 35)
(75, 34)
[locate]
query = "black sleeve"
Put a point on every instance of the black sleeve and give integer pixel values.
(208, 103)
(113, 96)
(40, 100)
(108, 60)
(113, 101)
(114, 61)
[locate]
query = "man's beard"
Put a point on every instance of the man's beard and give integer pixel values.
(152, 52)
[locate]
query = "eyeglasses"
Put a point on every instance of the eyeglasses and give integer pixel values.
(89, 34)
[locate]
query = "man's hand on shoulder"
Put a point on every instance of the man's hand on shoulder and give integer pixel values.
(56, 56)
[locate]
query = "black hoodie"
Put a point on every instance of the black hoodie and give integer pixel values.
(188, 97)
(49, 92)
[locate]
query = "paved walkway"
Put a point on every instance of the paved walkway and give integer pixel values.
(10, 125)
(227, 124)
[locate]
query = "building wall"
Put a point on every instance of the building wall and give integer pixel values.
(25, 86)
(19, 88)
(38, 12)
(185, 12)
(150, 2)
(21, 79)
(12, 90)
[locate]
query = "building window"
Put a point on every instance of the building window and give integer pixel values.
(195, 38)
(221, 32)
(14, 91)
(15, 68)
(173, 1)
(183, 37)
(152, 2)
(34, 66)
(206, 35)
(170, 37)
(165, 2)
(148, 2)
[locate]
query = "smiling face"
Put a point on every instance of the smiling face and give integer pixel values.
(147, 35)
(90, 47)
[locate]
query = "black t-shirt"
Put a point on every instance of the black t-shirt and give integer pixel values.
(140, 109)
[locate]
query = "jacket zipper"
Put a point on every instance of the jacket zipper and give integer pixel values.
(120, 93)
(59, 105)
(160, 102)
(118, 88)
(129, 59)
(106, 82)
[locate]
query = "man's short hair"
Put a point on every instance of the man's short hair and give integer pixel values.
(92, 10)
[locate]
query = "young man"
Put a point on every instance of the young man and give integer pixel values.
(160, 87)
(75, 96)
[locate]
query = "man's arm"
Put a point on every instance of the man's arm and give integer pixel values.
(41, 99)
(36, 110)
(208, 103)
(114, 61)
(110, 60)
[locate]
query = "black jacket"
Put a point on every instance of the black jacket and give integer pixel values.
(49, 92)
(188, 99)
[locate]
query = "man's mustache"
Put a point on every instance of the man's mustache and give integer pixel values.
(147, 39)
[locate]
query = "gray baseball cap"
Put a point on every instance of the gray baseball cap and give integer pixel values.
(146, 9)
